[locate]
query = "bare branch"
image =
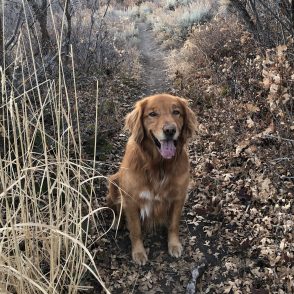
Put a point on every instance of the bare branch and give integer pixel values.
(93, 10)
(241, 9)
(16, 30)
(285, 8)
(41, 15)
(1, 39)
(292, 12)
(287, 28)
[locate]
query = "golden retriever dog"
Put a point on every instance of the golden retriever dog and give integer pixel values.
(151, 184)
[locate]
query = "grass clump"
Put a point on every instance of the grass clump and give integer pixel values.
(46, 187)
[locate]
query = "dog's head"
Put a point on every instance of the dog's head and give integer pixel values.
(165, 120)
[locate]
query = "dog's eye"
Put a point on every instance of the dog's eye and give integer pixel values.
(176, 112)
(152, 114)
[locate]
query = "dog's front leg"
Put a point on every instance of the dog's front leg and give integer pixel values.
(174, 245)
(134, 225)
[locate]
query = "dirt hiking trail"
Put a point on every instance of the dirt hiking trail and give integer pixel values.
(162, 273)
(154, 74)
(220, 227)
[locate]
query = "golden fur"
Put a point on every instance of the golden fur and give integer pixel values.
(153, 177)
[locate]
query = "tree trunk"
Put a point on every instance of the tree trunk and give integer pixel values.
(41, 16)
(69, 29)
(1, 40)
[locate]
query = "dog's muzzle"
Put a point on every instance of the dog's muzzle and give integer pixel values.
(167, 147)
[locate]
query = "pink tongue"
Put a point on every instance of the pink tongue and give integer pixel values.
(167, 149)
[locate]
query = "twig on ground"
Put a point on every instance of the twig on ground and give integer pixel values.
(279, 138)
(196, 273)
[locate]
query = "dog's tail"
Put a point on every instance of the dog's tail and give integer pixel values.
(113, 197)
(114, 200)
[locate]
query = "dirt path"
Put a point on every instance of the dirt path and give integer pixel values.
(154, 76)
(162, 274)
(221, 222)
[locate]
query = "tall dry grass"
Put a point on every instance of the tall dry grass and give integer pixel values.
(46, 187)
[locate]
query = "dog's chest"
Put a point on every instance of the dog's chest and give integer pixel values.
(156, 198)
(153, 205)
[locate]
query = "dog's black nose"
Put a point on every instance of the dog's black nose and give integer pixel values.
(169, 131)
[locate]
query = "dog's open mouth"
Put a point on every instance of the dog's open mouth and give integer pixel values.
(167, 148)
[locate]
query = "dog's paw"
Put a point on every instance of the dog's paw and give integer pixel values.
(140, 257)
(175, 249)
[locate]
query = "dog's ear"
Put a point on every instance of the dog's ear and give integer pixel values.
(190, 125)
(134, 123)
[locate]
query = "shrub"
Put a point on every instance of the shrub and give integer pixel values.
(205, 46)
(82, 29)
(222, 67)
(173, 26)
